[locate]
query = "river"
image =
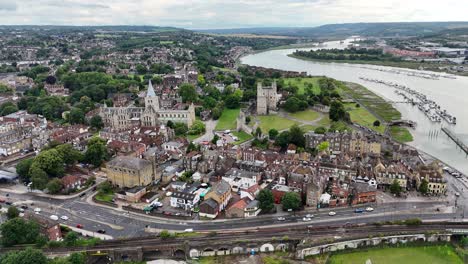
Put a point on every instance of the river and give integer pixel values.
(450, 94)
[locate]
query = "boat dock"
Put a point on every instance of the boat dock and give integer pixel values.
(456, 139)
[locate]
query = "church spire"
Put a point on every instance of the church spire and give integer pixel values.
(150, 92)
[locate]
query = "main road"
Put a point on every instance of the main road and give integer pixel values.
(119, 223)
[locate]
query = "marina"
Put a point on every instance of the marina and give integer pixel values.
(429, 107)
(419, 74)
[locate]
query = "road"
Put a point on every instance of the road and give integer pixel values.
(120, 224)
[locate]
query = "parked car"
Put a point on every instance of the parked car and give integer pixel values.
(369, 209)
(8, 203)
(281, 218)
(37, 210)
(54, 217)
(2, 200)
(24, 207)
(309, 216)
(331, 213)
(358, 210)
(79, 226)
(101, 231)
(64, 217)
(306, 219)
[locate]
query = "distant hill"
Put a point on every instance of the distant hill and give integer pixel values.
(52, 28)
(348, 29)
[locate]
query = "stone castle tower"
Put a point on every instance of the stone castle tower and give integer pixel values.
(267, 98)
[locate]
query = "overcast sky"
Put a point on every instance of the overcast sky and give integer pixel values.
(227, 13)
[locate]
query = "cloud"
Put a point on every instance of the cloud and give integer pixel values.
(7, 5)
(226, 13)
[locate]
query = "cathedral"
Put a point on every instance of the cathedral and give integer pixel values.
(123, 118)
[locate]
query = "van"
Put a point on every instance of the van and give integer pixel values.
(188, 230)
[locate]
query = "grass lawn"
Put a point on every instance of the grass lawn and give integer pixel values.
(276, 122)
(227, 119)
(325, 121)
(242, 137)
(401, 134)
(371, 101)
(301, 83)
(413, 255)
(363, 117)
(104, 197)
(193, 137)
(307, 115)
(308, 128)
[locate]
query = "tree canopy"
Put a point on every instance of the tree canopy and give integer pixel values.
(265, 199)
(291, 201)
(19, 231)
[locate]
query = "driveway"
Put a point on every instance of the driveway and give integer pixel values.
(209, 134)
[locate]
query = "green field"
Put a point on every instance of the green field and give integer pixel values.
(410, 255)
(363, 117)
(242, 137)
(401, 134)
(227, 119)
(307, 115)
(301, 82)
(325, 122)
(276, 122)
(307, 128)
(104, 197)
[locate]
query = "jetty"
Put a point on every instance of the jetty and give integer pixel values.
(452, 136)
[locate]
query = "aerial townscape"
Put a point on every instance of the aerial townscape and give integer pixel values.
(251, 142)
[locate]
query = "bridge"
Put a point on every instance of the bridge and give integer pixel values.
(303, 241)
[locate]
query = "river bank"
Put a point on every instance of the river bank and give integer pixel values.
(396, 64)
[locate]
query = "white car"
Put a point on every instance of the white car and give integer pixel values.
(309, 216)
(64, 217)
(37, 210)
(331, 213)
(369, 209)
(54, 217)
(281, 219)
(306, 219)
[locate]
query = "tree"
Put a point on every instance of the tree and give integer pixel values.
(323, 146)
(51, 162)
(54, 186)
(105, 187)
(27, 256)
(266, 200)
(165, 234)
(12, 212)
(232, 101)
(77, 258)
(294, 104)
(96, 153)
(19, 231)
(291, 201)
(23, 167)
(320, 130)
(71, 238)
(395, 188)
(76, 116)
(68, 154)
(282, 139)
(215, 139)
(188, 93)
(376, 123)
(424, 187)
(50, 79)
(337, 111)
(258, 132)
(96, 122)
(273, 133)
(296, 136)
(39, 177)
(197, 128)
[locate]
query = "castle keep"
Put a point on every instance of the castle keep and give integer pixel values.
(267, 98)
